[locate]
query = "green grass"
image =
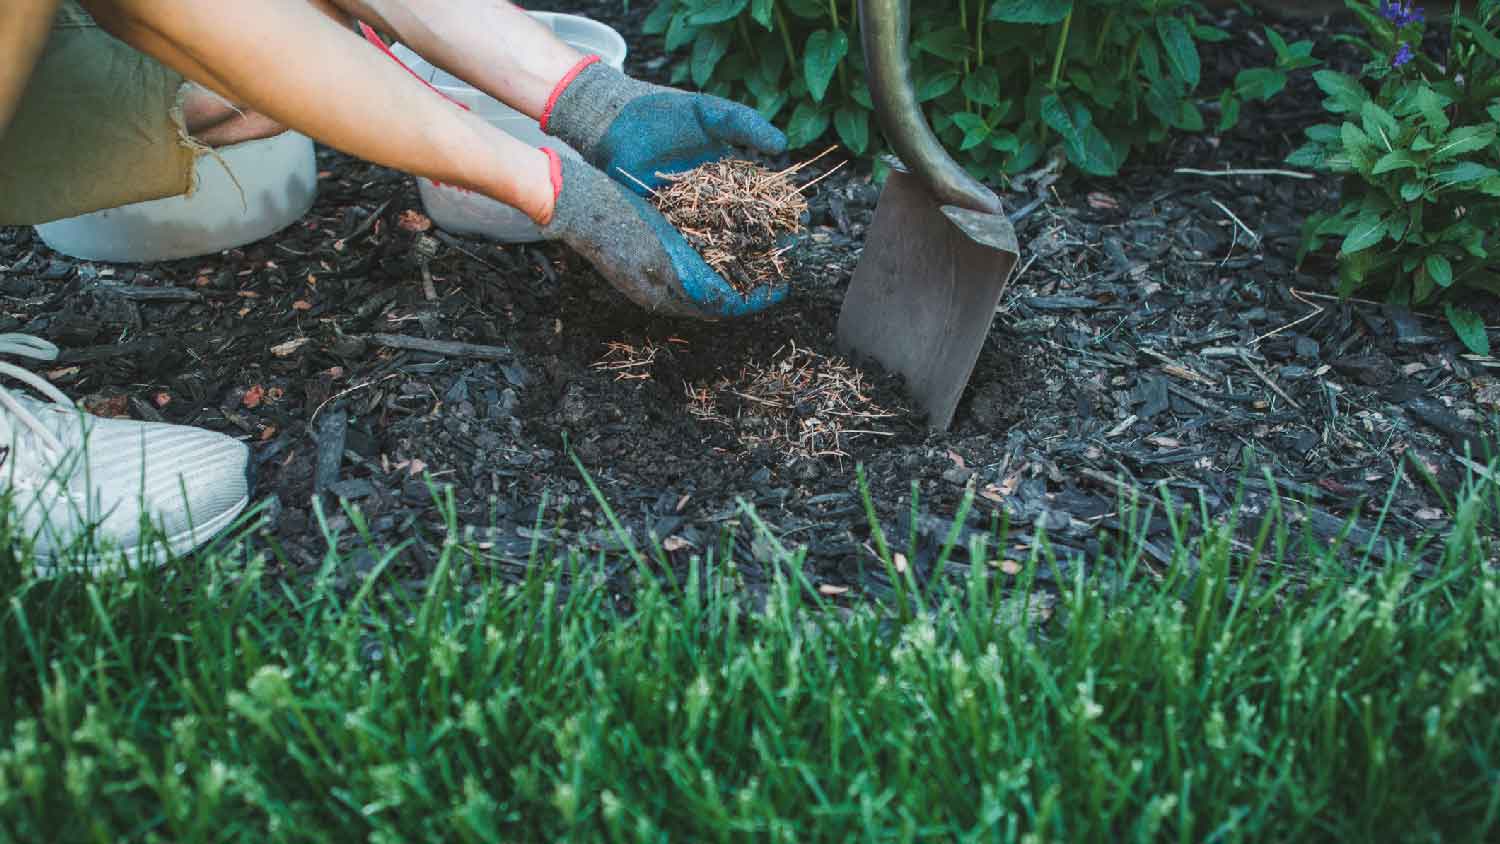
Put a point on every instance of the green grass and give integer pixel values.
(1246, 696)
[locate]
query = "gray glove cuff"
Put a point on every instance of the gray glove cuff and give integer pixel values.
(594, 216)
(586, 106)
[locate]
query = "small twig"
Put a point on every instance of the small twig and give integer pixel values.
(647, 188)
(448, 348)
(1266, 379)
(1290, 174)
(341, 393)
(1297, 294)
(364, 225)
(148, 294)
(1254, 238)
(834, 169)
(797, 168)
(1024, 211)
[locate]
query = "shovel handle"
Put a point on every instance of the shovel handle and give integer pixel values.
(884, 28)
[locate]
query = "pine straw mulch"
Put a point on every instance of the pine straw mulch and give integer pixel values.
(800, 404)
(735, 214)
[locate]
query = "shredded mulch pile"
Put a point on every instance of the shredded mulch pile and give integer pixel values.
(736, 213)
(800, 404)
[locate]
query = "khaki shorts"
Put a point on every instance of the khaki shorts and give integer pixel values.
(100, 125)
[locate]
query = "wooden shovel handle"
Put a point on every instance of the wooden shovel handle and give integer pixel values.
(884, 27)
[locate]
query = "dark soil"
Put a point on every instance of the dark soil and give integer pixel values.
(1148, 342)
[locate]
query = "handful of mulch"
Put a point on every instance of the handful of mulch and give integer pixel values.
(734, 213)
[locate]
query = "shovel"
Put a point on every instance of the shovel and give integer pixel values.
(940, 250)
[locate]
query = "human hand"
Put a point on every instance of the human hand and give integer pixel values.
(634, 247)
(633, 130)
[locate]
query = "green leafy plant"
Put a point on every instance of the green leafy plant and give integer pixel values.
(1416, 141)
(1004, 81)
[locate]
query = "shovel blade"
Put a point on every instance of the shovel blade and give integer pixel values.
(924, 293)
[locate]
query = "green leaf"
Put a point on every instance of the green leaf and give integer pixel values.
(935, 86)
(1345, 94)
(1030, 11)
(1324, 133)
(1182, 53)
(1369, 229)
(1485, 40)
(1431, 104)
(656, 22)
(1229, 111)
(1464, 139)
(1395, 160)
(679, 32)
(1162, 99)
(718, 11)
(949, 42)
(1278, 44)
(1439, 270)
(1260, 83)
(1085, 145)
(1311, 155)
(853, 126)
(1464, 173)
(1469, 328)
(975, 130)
(983, 86)
(860, 93)
(1002, 140)
(708, 49)
(808, 123)
(1412, 191)
(1056, 116)
(761, 10)
(821, 57)
(1378, 123)
(1208, 34)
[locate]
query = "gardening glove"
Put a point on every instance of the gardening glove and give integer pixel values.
(622, 124)
(633, 246)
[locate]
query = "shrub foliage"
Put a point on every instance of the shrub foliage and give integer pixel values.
(1414, 136)
(1004, 81)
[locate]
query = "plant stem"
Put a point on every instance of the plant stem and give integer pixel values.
(786, 39)
(979, 33)
(1062, 45)
(744, 32)
(1109, 21)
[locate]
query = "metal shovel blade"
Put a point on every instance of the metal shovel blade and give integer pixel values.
(924, 293)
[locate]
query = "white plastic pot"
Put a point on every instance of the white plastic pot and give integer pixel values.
(278, 177)
(464, 212)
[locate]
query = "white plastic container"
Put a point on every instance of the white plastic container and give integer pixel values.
(279, 179)
(464, 212)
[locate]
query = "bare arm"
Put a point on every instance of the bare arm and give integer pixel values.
(23, 33)
(290, 61)
(491, 44)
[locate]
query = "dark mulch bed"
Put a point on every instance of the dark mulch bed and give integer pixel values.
(1147, 340)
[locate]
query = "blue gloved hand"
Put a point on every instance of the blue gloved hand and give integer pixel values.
(634, 247)
(621, 124)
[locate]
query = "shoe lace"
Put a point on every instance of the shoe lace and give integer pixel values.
(27, 346)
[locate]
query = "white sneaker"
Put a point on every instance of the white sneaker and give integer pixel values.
(71, 476)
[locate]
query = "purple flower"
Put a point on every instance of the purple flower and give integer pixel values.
(1402, 56)
(1402, 13)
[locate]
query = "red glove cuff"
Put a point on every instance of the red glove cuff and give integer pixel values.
(554, 171)
(562, 85)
